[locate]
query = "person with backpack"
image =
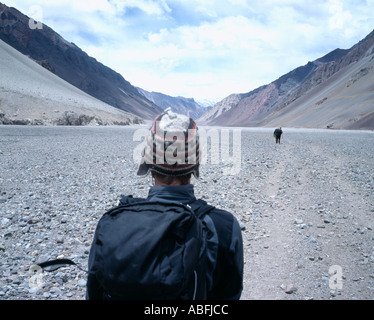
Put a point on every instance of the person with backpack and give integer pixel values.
(277, 135)
(169, 245)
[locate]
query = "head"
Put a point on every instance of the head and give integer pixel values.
(171, 151)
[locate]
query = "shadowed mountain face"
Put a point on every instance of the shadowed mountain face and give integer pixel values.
(335, 91)
(72, 64)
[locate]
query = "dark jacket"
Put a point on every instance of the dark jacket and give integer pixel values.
(227, 279)
(278, 133)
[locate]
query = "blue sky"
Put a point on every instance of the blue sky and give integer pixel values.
(205, 49)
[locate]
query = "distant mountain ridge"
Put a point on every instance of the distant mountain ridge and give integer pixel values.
(335, 91)
(186, 106)
(72, 64)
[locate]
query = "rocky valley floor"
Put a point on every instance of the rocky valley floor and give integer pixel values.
(305, 206)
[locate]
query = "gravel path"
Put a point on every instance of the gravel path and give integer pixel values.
(305, 206)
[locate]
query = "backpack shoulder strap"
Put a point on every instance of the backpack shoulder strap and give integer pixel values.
(201, 208)
(52, 265)
(130, 200)
(123, 202)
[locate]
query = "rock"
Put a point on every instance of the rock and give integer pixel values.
(81, 282)
(5, 221)
(56, 290)
(290, 289)
(312, 240)
(59, 240)
(33, 290)
(42, 258)
(46, 295)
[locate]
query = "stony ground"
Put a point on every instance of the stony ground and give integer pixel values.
(306, 207)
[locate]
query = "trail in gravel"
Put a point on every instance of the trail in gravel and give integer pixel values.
(306, 206)
(316, 214)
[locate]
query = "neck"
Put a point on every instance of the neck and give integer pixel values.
(174, 182)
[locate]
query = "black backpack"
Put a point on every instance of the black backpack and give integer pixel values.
(277, 133)
(152, 250)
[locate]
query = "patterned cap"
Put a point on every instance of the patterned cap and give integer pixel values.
(172, 146)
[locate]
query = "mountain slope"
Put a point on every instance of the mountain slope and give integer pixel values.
(70, 63)
(186, 106)
(30, 94)
(335, 91)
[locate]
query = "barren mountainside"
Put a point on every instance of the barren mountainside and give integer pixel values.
(72, 64)
(335, 91)
(30, 94)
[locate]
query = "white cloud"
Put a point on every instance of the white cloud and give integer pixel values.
(208, 48)
(92, 6)
(339, 16)
(148, 6)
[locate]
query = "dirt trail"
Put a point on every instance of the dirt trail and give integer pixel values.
(315, 213)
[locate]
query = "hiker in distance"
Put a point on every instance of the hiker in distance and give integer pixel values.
(169, 245)
(277, 135)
